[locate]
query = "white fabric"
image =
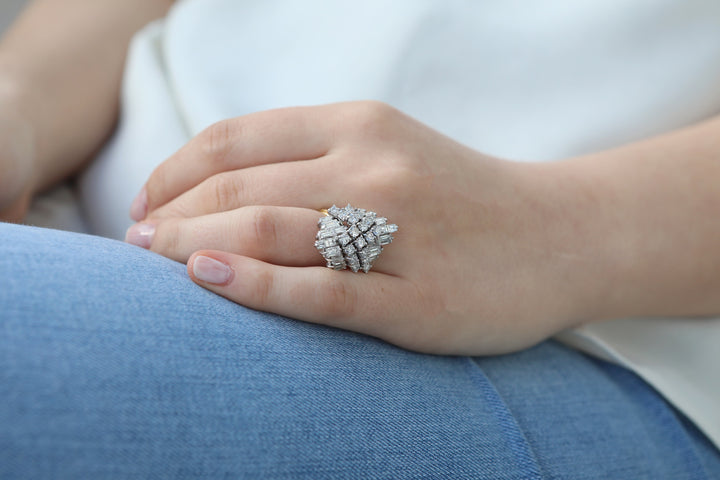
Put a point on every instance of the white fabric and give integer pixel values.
(519, 79)
(58, 208)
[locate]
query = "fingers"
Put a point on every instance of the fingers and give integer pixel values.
(303, 183)
(374, 303)
(283, 236)
(274, 136)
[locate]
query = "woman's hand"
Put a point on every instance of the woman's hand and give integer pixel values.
(491, 256)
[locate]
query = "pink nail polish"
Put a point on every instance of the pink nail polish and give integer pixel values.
(140, 234)
(139, 207)
(209, 270)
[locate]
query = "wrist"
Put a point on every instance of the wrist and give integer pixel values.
(647, 211)
(585, 248)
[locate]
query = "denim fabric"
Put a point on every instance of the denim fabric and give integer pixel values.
(113, 364)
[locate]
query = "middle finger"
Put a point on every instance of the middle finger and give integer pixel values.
(307, 183)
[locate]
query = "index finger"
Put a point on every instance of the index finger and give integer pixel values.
(288, 134)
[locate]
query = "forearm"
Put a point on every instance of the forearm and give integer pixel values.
(62, 64)
(655, 211)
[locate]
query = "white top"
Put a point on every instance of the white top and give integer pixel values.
(518, 79)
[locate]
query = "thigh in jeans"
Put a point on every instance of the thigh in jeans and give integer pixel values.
(113, 364)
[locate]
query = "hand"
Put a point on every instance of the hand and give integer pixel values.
(16, 158)
(491, 256)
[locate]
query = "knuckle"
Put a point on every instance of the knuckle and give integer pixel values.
(336, 299)
(217, 141)
(263, 288)
(175, 209)
(264, 227)
(373, 116)
(166, 240)
(156, 186)
(375, 109)
(399, 169)
(226, 192)
(407, 172)
(385, 177)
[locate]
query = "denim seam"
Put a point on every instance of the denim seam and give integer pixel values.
(510, 428)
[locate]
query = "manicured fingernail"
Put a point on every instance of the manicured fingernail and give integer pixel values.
(139, 207)
(209, 270)
(140, 234)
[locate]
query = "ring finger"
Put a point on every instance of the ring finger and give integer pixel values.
(277, 235)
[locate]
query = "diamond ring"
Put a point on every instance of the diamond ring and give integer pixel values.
(352, 237)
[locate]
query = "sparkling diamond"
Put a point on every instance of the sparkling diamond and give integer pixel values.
(365, 262)
(360, 243)
(333, 251)
(334, 211)
(353, 263)
(344, 239)
(354, 232)
(385, 239)
(372, 254)
(353, 218)
(366, 222)
(337, 265)
(344, 212)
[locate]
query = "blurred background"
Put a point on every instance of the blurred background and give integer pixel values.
(8, 11)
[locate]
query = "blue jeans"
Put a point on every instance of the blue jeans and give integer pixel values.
(113, 364)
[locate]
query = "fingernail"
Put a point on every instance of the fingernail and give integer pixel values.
(209, 270)
(139, 207)
(140, 234)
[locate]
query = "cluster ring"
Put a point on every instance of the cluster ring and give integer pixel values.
(352, 237)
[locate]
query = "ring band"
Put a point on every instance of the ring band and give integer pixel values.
(352, 237)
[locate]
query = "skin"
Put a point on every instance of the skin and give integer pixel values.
(492, 255)
(17, 158)
(251, 187)
(59, 91)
